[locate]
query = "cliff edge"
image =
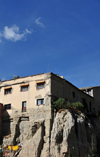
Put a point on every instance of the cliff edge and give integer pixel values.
(67, 134)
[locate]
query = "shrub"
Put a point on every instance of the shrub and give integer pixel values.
(59, 104)
(63, 104)
(78, 106)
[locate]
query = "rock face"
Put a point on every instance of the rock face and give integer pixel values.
(67, 133)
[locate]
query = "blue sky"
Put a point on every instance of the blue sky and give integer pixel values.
(56, 36)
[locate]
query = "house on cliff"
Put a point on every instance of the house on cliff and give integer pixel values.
(36, 91)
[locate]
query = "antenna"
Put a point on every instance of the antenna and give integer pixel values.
(48, 68)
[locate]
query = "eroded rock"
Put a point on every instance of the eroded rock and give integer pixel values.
(68, 133)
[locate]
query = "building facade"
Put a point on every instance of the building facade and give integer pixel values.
(95, 93)
(36, 91)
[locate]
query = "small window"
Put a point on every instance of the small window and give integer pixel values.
(7, 107)
(7, 90)
(40, 102)
(24, 106)
(83, 101)
(73, 94)
(88, 91)
(24, 88)
(40, 85)
(90, 106)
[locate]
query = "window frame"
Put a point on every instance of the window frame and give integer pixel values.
(41, 102)
(7, 107)
(24, 88)
(73, 94)
(40, 84)
(8, 90)
(24, 107)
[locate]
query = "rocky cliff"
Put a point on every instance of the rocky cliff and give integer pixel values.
(68, 133)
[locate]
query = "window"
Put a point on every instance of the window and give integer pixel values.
(24, 87)
(83, 101)
(90, 106)
(24, 106)
(40, 84)
(73, 94)
(88, 91)
(7, 90)
(7, 107)
(40, 102)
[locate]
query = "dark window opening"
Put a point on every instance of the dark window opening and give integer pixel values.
(73, 94)
(85, 104)
(40, 85)
(40, 102)
(24, 106)
(90, 106)
(7, 107)
(8, 91)
(24, 88)
(83, 101)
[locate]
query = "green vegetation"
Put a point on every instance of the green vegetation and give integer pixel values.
(15, 77)
(63, 104)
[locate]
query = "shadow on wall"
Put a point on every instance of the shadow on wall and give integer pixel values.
(6, 124)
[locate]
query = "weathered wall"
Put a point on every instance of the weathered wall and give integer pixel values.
(64, 89)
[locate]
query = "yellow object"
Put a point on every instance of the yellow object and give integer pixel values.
(9, 147)
(13, 147)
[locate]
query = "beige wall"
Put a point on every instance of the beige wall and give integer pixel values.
(17, 97)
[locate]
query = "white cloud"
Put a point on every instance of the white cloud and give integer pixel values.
(27, 31)
(37, 21)
(12, 33)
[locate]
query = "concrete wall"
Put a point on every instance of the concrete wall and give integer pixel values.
(64, 89)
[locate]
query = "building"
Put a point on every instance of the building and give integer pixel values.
(36, 91)
(95, 93)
